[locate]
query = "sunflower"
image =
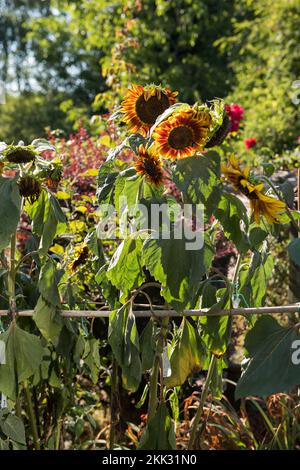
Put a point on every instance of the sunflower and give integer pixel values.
(81, 253)
(29, 188)
(260, 203)
(182, 134)
(142, 106)
(149, 165)
(19, 154)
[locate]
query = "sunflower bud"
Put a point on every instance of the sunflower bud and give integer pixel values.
(220, 135)
(19, 154)
(29, 188)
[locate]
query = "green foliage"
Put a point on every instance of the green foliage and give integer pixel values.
(24, 355)
(9, 209)
(270, 368)
(124, 341)
(187, 355)
(179, 286)
(265, 61)
(159, 433)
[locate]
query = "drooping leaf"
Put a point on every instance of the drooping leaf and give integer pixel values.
(13, 428)
(187, 355)
(271, 368)
(47, 219)
(10, 203)
(24, 354)
(148, 345)
(48, 320)
(124, 341)
(48, 282)
(159, 433)
(91, 358)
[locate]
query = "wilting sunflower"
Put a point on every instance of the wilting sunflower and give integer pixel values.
(142, 106)
(19, 154)
(29, 188)
(260, 203)
(182, 134)
(149, 165)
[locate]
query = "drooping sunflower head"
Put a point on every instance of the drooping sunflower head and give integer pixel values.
(19, 154)
(29, 188)
(142, 106)
(182, 134)
(148, 164)
(218, 136)
(81, 253)
(263, 205)
(237, 176)
(260, 203)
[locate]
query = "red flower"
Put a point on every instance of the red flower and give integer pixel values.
(249, 143)
(236, 115)
(298, 139)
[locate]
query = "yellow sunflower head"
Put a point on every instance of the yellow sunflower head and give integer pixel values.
(235, 175)
(149, 166)
(264, 205)
(142, 106)
(81, 253)
(182, 134)
(260, 203)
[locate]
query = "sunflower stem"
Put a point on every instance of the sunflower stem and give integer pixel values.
(153, 399)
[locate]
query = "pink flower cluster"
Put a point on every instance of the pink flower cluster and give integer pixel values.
(236, 115)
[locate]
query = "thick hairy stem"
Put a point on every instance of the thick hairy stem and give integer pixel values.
(202, 402)
(153, 400)
(32, 417)
(113, 404)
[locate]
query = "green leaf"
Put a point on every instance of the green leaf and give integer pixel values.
(294, 251)
(230, 212)
(124, 341)
(91, 358)
(13, 428)
(48, 320)
(106, 180)
(215, 329)
(159, 433)
(254, 278)
(198, 178)
(24, 354)
(148, 345)
(187, 355)
(48, 282)
(10, 203)
(270, 368)
(180, 282)
(256, 236)
(125, 268)
(47, 219)
(126, 192)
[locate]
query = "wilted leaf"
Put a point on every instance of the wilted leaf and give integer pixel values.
(187, 355)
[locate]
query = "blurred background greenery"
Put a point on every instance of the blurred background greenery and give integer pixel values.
(64, 61)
